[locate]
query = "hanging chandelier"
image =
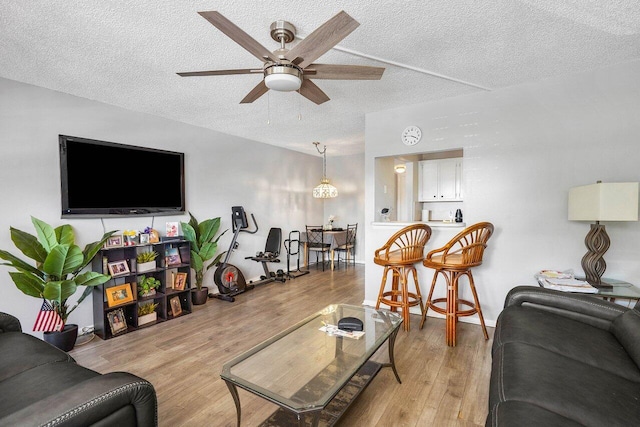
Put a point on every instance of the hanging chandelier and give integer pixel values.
(325, 190)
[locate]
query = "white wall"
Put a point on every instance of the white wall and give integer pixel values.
(221, 171)
(524, 147)
(346, 173)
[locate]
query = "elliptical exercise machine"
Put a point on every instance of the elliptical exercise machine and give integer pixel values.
(228, 277)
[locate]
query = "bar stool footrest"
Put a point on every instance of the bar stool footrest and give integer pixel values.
(459, 313)
(412, 299)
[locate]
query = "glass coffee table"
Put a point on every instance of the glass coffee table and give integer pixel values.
(310, 370)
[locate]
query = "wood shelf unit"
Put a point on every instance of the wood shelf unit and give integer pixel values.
(163, 272)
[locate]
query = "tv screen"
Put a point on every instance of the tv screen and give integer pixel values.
(100, 178)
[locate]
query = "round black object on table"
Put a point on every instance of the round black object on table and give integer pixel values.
(350, 324)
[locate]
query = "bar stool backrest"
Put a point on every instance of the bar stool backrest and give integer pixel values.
(466, 249)
(404, 247)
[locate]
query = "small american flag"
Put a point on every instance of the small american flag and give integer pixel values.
(48, 320)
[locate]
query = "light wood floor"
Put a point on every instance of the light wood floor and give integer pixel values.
(183, 358)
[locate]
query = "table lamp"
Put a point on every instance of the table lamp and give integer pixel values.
(616, 201)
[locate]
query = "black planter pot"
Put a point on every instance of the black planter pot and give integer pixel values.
(199, 297)
(65, 340)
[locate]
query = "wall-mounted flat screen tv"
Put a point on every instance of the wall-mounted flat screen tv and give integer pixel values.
(100, 178)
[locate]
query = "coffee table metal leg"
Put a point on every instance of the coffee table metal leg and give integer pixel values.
(236, 398)
(392, 361)
(315, 419)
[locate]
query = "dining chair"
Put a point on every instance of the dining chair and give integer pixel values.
(453, 260)
(317, 245)
(399, 256)
(349, 247)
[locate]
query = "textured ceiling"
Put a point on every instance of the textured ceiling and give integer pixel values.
(127, 54)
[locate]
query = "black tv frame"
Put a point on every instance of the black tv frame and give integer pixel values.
(106, 211)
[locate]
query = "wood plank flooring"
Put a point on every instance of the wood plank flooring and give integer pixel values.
(183, 358)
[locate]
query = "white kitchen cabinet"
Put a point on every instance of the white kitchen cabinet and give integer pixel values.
(440, 180)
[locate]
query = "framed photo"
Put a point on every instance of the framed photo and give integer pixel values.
(172, 256)
(172, 229)
(114, 241)
(154, 237)
(117, 321)
(144, 239)
(117, 295)
(180, 281)
(176, 308)
(118, 268)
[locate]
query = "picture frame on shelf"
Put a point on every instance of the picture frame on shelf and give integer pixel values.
(117, 295)
(115, 241)
(144, 239)
(172, 229)
(180, 281)
(118, 268)
(176, 308)
(172, 256)
(170, 277)
(185, 253)
(154, 236)
(117, 321)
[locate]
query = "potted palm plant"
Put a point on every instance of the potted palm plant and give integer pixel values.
(146, 261)
(57, 273)
(204, 244)
(147, 313)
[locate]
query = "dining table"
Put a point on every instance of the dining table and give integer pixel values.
(334, 238)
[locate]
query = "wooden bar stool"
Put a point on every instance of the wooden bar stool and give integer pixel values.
(399, 256)
(454, 260)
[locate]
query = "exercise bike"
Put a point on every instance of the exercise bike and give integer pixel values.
(228, 277)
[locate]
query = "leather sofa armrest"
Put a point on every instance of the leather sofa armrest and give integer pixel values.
(581, 307)
(9, 323)
(99, 398)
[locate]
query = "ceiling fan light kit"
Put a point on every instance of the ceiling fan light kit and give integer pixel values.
(289, 70)
(283, 77)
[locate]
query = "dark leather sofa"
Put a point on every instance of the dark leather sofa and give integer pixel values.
(562, 359)
(42, 385)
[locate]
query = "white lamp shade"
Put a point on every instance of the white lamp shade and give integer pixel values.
(613, 201)
(282, 82)
(325, 190)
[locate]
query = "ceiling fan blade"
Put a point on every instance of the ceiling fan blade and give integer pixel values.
(343, 72)
(238, 35)
(255, 93)
(322, 39)
(219, 72)
(312, 92)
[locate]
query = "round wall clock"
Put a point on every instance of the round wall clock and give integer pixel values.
(411, 135)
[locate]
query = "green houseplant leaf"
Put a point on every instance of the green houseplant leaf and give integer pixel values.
(28, 245)
(204, 244)
(59, 262)
(29, 284)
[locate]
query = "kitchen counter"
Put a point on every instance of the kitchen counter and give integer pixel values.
(433, 224)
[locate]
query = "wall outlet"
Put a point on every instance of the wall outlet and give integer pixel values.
(86, 329)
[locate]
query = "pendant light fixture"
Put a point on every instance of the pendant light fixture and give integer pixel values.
(324, 190)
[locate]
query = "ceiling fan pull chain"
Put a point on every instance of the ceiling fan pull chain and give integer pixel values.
(268, 108)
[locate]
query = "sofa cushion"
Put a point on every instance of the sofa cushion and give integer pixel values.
(572, 339)
(523, 414)
(626, 328)
(8, 323)
(20, 352)
(565, 386)
(38, 383)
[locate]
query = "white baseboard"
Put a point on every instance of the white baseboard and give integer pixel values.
(415, 310)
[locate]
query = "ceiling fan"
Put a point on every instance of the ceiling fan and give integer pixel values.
(292, 69)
